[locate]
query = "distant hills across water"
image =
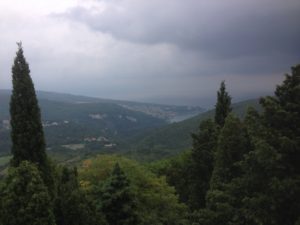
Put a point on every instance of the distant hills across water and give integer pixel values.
(76, 126)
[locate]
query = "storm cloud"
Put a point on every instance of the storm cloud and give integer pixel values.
(171, 51)
(226, 29)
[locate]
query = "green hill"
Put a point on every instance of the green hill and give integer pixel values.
(77, 125)
(173, 138)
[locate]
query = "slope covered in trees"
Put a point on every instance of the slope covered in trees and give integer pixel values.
(95, 125)
(250, 173)
(155, 201)
(36, 191)
(29, 193)
(172, 139)
(240, 170)
(73, 123)
(66, 124)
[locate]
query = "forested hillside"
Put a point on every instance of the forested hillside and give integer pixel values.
(77, 125)
(242, 168)
(243, 171)
(171, 139)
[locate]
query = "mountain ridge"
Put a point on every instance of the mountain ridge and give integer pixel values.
(170, 113)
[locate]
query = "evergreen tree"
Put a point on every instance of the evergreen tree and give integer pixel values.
(202, 157)
(233, 143)
(282, 118)
(179, 174)
(24, 198)
(72, 206)
(257, 202)
(223, 106)
(27, 134)
(272, 169)
(117, 201)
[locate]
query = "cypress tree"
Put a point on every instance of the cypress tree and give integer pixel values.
(72, 206)
(202, 158)
(233, 143)
(27, 133)
(117, 201)
(223, 105)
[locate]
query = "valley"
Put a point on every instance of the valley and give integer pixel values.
(76, 126)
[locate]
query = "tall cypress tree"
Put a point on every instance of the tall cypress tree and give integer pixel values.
(233, 143)
(27, 134)
(223, 106)
(202, 158)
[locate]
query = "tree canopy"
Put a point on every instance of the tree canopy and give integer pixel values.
(24, 197)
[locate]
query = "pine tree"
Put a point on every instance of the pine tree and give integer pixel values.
(117, 201)
(282, 118)
(233, 143)
(257, 200)
(24, 198)
(223, 106)
(27, 133)
(272, 169)
(202, 157)
(72, 206)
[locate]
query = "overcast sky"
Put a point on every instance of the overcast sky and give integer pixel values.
(165, 51)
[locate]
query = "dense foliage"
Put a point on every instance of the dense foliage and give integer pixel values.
(172, 139)
(248, 171)
(117, 201)
(71, 203)
(154, 200)
(24, 198)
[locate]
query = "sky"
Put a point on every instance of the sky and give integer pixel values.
(161, 51)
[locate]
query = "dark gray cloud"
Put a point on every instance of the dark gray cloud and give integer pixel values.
(218, 29)
(170, 51)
